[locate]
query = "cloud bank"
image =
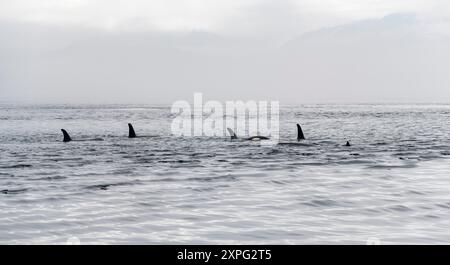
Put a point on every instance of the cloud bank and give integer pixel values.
(292, 51)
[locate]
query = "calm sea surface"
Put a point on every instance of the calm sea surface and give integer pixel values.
(391, 186)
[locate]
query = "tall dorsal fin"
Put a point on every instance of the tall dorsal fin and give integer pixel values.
(232, 134)
(66, 136)
(300, 135)
(131, 133)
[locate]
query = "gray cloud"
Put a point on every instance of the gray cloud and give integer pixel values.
(391, 59)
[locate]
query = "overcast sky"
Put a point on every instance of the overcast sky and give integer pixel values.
(98, 51)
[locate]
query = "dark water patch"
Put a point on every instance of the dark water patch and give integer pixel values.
(195, 165)
(238, 163)
(372, 210)
(227, 177)
(51, 178)
(128, 156)
(166, 152)
(431, 216)
(165, 180)
(122, 172)
(101, 186)
(166, 173)
(179, 161)
(45, 173)
(108, 185)
(427, 157)
(50, 155)
(202, 155)
(187, 161)
(120, 153)
(145, 160)
(91, 149)
(399, 208)
(444, 205)
(16, 166)
(274, 152)
(416, 192)
(278, 182)
(322, 203)
(309, 164)
(81, 164)
(62, 159)
(153, 204)
(424, 207)
(307, 154)
(388, 167)
(407, 140)
(409, 158)
(197, 179)
(189, 206)
(354, 162)
(273, 167)
(88, 174)
(13, 191)
(203, 189)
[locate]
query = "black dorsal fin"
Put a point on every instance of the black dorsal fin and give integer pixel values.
(300, 135)
(232, 133)
(66, 136)
(131, 133)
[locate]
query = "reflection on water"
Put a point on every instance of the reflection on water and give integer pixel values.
(391, 185)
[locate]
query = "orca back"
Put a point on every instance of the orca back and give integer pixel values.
(257, 137)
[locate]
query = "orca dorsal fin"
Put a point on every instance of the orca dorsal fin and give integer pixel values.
(348, 143)
(300, 135)
(66, 136)
(232, 134)
(131, 133)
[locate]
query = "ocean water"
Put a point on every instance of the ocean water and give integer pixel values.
(391, 186)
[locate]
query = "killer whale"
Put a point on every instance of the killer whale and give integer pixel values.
(300, 139)
(232, 134)
(252, 138)
(67, 138)
(132, 133)
(300, 135)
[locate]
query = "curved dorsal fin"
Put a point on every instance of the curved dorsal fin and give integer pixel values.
(66, 136)
(131, 133)
(300, 135)
(232, 134)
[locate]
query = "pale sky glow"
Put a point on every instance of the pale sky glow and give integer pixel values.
(214, 15)
(349, 51)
